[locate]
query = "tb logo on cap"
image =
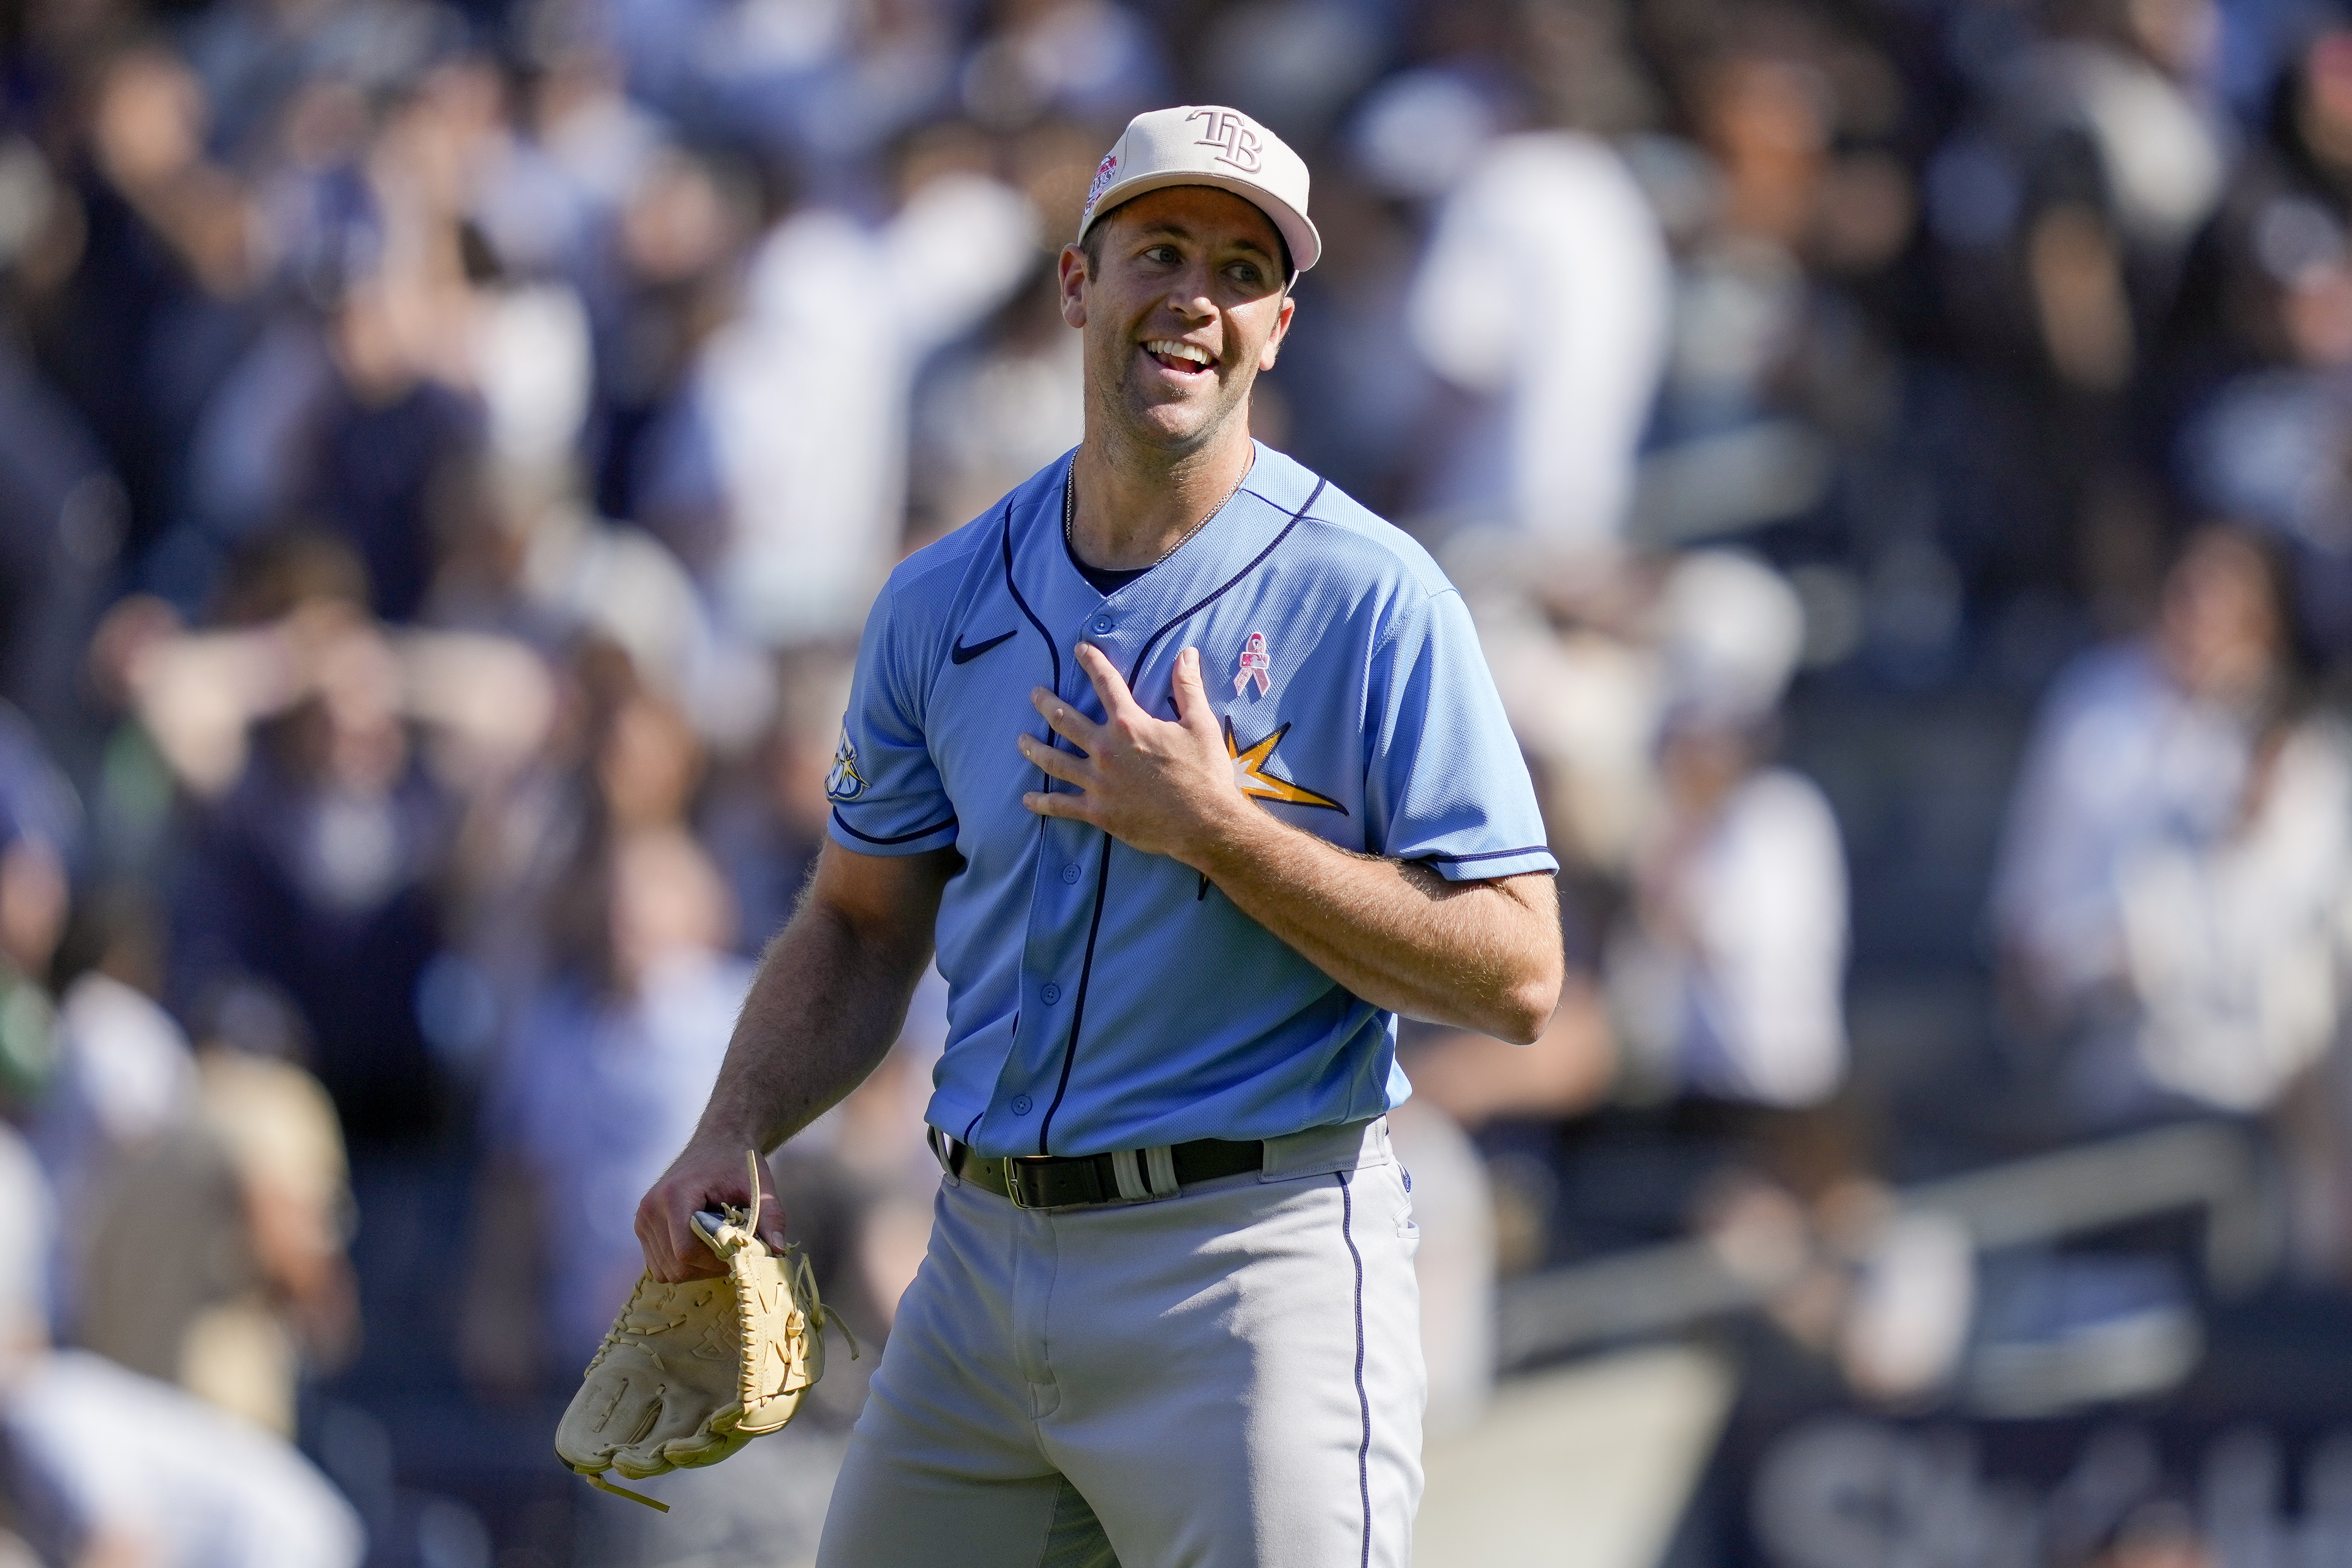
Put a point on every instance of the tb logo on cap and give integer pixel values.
(1230, 132)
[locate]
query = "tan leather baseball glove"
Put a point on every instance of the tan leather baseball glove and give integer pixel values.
(692, 1371)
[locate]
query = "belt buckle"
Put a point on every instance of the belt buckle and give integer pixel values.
(1013, 1163)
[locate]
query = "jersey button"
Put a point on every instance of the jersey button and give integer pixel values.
(1021, 1104)
(1070, 874)
(1052, 994)
(1101, 625)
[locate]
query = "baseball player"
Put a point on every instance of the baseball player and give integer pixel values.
(1191, 768)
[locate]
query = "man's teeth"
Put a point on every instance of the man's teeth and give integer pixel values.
(1170, 349)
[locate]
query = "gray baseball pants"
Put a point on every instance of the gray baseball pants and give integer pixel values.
(1229, 1378)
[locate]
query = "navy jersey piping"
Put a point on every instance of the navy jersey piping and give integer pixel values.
(1015, 589)
(842, 823)
(1433, 589)
(1052, 738)
(1102, 879)
(1182, 615)
(1078, 1002)
(1486, 854)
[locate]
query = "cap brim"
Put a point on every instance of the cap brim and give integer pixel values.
(1306, 245)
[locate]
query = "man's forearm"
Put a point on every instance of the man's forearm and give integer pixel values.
(825, 1008)
(1479, 955)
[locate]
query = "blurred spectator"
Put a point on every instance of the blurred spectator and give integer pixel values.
(614, 756)
(149, 318)
(2266, 283)
(212, 1254)
(98, 1465)
(2263, 340)
(126, 1468)
(124, 1079)
(671, 280)
(2172, 882)
(520, 557)
(1785, 211)
(400, 408)
(40, 826)
(608, 1069)
(2101, 157)
(1090, 60)
(1652, 713)
(826, 87)
(806, 394)
(766, 822)
(1727, 980)
(1731, 982)
(998, 409)
(1365, 418)
(312, 872)
(63, 515)
(382, 437)
(2063, 209)
(343, 413)
(1545, 290)
(28, 1223)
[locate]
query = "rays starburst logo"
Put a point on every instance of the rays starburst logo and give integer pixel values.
(1250, 764)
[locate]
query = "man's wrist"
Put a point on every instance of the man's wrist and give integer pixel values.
(1234, 841)
(726, 1139)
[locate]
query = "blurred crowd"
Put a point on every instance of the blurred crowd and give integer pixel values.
(447, 450)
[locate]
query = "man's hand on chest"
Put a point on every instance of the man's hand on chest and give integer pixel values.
(1163, 788)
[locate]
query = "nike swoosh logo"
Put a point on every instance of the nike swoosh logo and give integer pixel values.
(962, 655)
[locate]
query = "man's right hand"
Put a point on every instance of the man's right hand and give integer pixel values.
(704, 1177)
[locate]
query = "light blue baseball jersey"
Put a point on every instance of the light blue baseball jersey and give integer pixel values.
(1102, 998)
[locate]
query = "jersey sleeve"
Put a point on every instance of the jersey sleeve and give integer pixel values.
(1445, 783)
(885, 792)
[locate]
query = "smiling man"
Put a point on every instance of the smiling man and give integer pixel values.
(1191, 769)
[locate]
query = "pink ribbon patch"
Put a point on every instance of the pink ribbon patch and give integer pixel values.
(1256, 665)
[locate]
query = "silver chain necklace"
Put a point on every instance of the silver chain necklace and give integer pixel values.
(1070, 515)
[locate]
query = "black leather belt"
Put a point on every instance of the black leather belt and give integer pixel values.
(1130, 1175)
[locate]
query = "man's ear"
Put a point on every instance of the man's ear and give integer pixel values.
(1273, 350)
(1073, 281)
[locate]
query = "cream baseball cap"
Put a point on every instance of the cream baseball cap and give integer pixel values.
(1207, 144)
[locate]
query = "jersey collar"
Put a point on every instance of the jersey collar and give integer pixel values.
(1227, 545)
